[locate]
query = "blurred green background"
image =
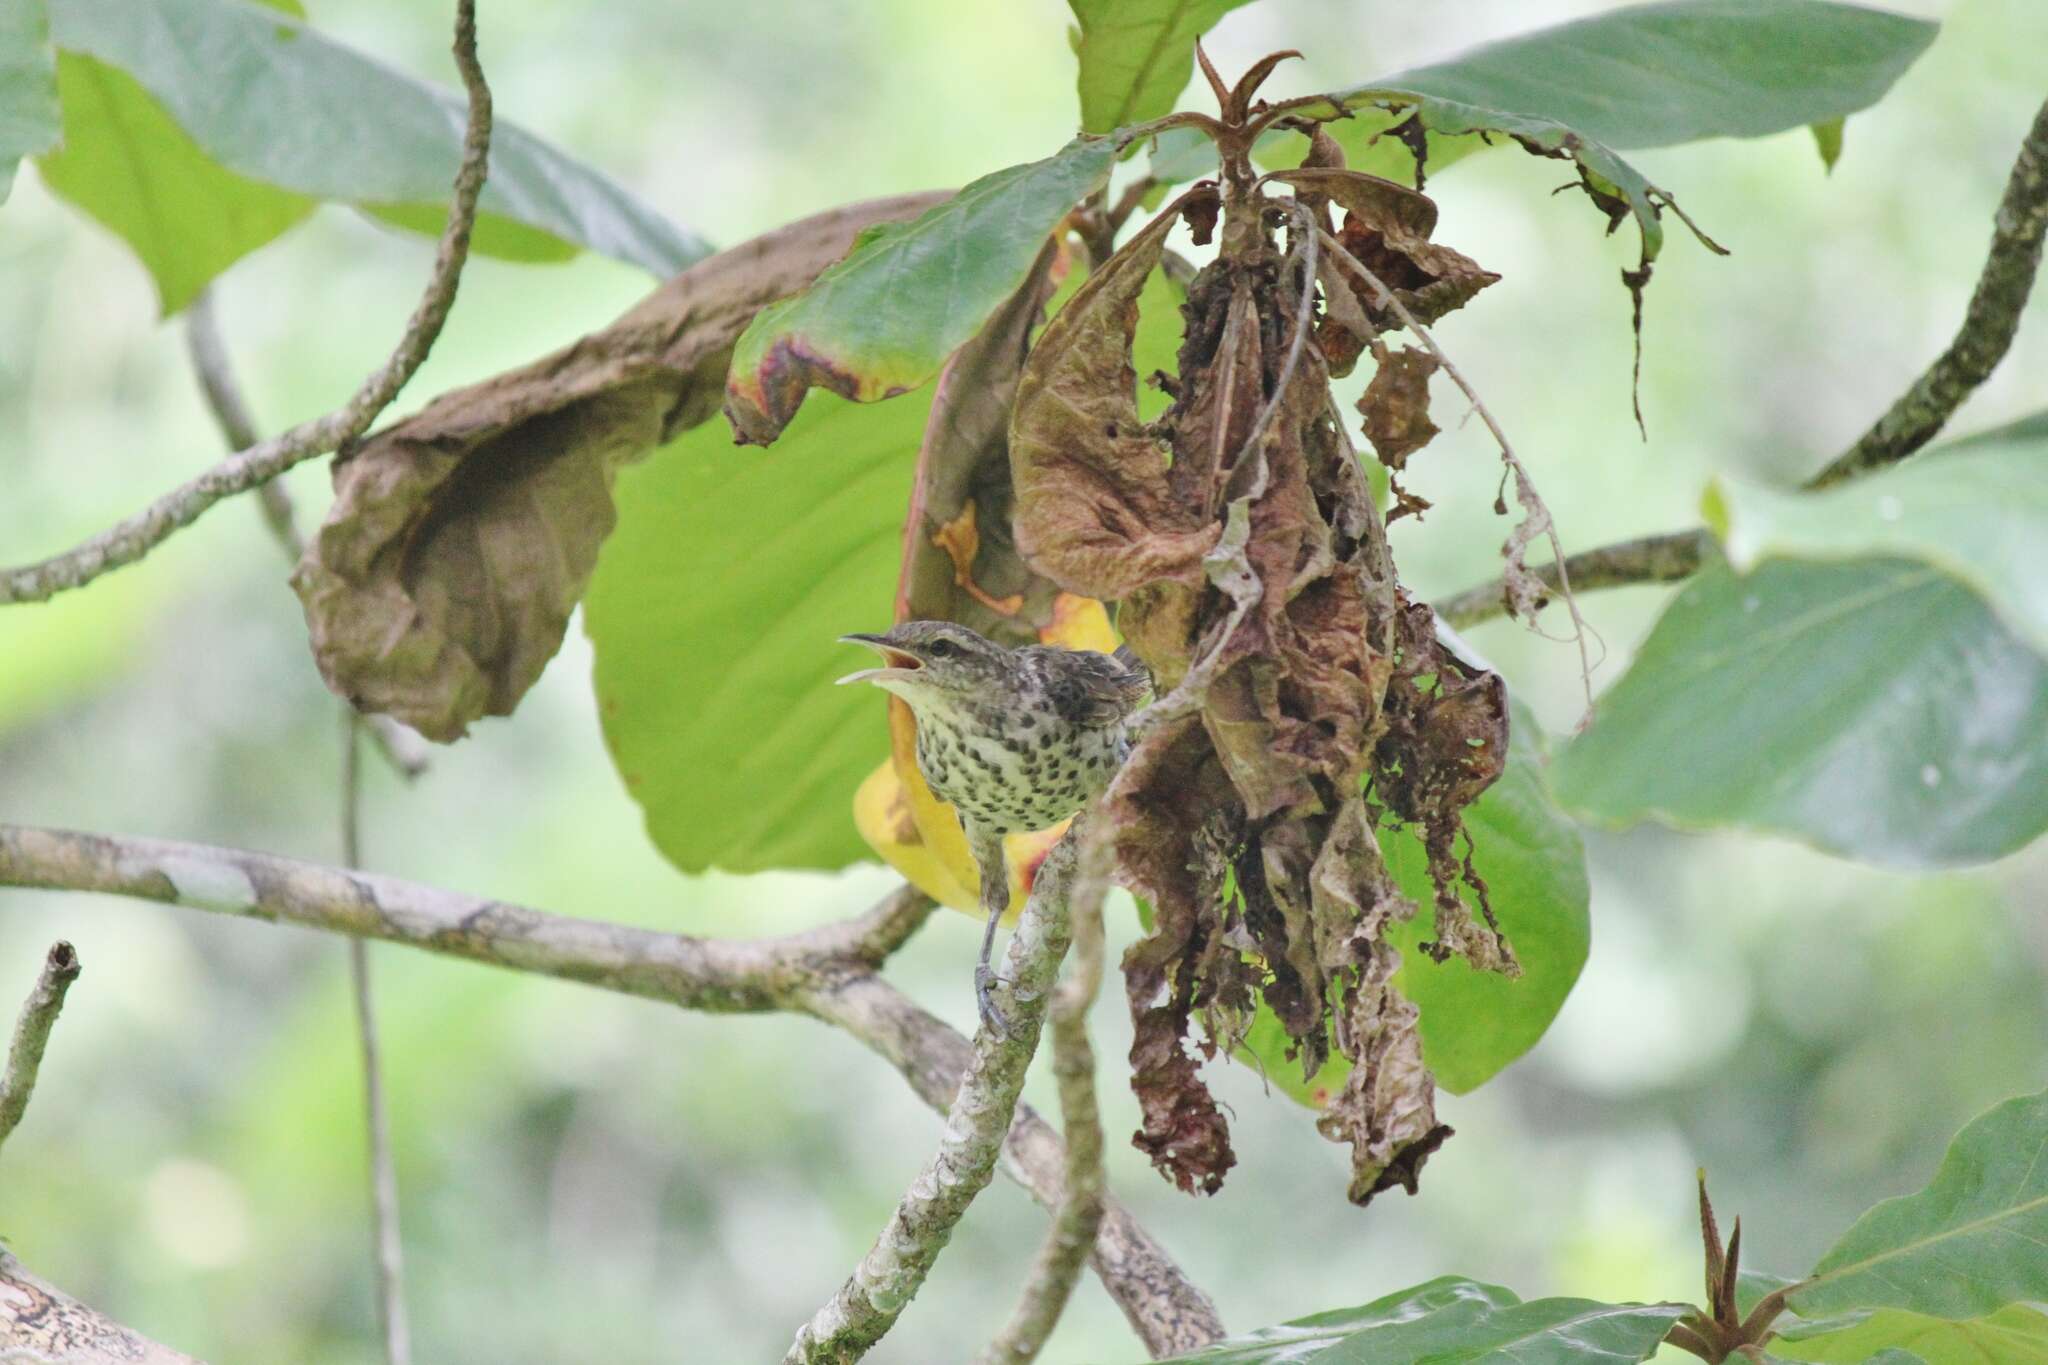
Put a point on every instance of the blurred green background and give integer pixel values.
(590, 1178)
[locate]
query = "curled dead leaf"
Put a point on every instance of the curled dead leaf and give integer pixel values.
(1387, 226)
(461, 539)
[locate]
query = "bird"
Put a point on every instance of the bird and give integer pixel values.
(1012, 739)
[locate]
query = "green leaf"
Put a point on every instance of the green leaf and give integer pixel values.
(128, 166)
(28, 85)
(714, 612)
(2015, 1335)
(1659, 75)
(1970, 1244)
(1875, 709)
(1643, 76)
(882, 321)
(1827, 139)
(233, 74)
(1449, 1321)
(1136, 56)
(1979, 513)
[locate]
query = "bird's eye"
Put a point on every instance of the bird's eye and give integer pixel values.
(941, 649)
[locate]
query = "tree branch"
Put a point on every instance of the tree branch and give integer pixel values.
(827, 972)
(263, 461)
(32, 1033)
(1990, 323)
(892, 1272)
(1076, 1221)
(1652, 559)
(1167, 1311)
(40, 1323)
(720, 975)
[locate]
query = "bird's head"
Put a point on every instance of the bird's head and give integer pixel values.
(933, 661)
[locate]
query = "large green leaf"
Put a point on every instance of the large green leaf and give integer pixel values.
(714, 611)
(1657, 75)
(28, 85)
(1972, 1243)
(1643, 76)
(1449, 1321)
(1875, 709)
(1475, 1023)
(1978, 512)
(1135, 55)
(2015, 1335)
(882, 321)
(126, 164)
(272, 100)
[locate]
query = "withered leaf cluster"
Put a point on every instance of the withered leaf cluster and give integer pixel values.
(1241, 540)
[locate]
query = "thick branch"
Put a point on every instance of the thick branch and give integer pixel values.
(259, 463)
(827, 972)
(1057, 1267)
(40, 1323)
(892, 1272)
(725, 975)
(32, 1033)
(1989, 325)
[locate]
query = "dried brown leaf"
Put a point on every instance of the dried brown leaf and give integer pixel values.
(460, 539)
(1179, 868)
(1387, 1108)
(1387, 227)
(1093, 510)
(1395, 406)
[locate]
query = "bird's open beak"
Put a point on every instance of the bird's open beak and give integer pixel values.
(898, 664)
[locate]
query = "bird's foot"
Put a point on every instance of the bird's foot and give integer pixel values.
(991, 1017)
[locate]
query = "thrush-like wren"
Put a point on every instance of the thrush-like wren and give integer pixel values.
(1012, 739)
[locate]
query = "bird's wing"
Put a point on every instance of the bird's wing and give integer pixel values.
(1093, 689)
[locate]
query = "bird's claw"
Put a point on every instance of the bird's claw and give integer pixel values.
(991, 1017)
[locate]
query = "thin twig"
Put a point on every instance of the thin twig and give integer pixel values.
(1078, 1218)
(882, 1285)
(209, 355)
(388, 1250)
(1170, 1314)
(1989, 323)
(1652, 559)
(259, 463)
(403, 749)
(1536, 516)
(32, 1033)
